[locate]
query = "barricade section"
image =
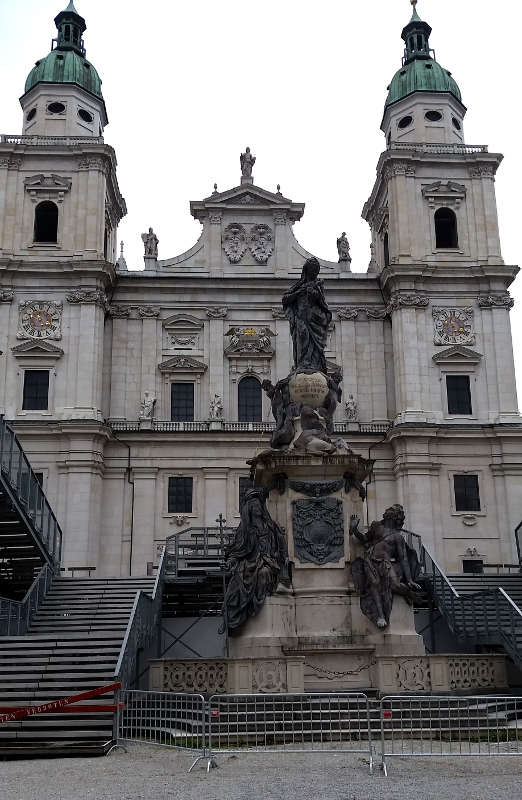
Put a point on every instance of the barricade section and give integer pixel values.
(165, 718)
(290, 723)
(450, 726)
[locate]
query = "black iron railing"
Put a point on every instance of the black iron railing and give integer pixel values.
(141, 627)
(26, 496)
(195, 549)
(15, 616)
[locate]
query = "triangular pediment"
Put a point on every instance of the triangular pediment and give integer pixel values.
(457, 353)
(37, 348)
(182, 364)
(247, 196)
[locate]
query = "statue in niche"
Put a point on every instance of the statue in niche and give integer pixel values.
(216, 407)
(150, 241)
(306, 309)
(376, 576)
(350, 408)
(247, 161)
(147, 406)
(343, 248)
(258, 556)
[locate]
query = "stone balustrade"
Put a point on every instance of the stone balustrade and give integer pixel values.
(428, 147)
(233, 427)
(459, 674)
(58, 141)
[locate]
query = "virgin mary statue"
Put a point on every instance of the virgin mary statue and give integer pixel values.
(305, 307)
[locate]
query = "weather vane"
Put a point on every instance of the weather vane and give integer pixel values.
(413, 2)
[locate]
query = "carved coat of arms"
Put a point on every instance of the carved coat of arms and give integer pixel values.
(234, 241)
(318, 529)
(261, 242)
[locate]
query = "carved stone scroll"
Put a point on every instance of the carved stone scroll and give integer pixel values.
(318, 530)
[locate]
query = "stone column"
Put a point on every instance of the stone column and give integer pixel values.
(149, 356)
(119, 368)
(280, 243)
(115, 522)
(215, 494)
(216, 254)
(144, 518)
(216, 384)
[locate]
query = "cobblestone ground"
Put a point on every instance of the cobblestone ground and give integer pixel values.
(152, 773)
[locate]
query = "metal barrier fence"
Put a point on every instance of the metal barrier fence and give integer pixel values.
(450, 726)
(165, 718)
(290, 723)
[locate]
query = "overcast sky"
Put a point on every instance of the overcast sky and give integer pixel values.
(189, 85)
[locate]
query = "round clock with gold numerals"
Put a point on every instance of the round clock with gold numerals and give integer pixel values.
(453, 325)
(40, 320)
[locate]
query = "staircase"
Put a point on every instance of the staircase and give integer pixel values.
(73, 644)
(480, 609)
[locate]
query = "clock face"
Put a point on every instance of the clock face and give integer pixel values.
(40, 320)
(454, 326)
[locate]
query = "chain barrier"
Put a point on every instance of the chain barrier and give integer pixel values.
(339, 674)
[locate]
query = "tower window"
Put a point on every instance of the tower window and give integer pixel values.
(182, 402)
(180, 496)
(67, 33)
(420, 43)
(459, 395)
(31, 115)
(466, 489)
(56, 108)
(36, 390)
(445, 229)
(386, 247)
(433, 116)
(85, 115)
(46, 222)
(405, 121)
(249, 400)
(456, 123)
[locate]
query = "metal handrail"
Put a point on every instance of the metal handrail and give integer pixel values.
(141, 626)
(519, 544)
(470, 617)
(194, 544)
(16, 615)
(25, 493)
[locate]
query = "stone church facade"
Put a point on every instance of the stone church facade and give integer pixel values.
(137, 394)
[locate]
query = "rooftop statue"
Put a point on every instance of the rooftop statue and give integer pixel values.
(151, 241)
(343, 248)
(247, 161)
(306, 309)
(376, 577)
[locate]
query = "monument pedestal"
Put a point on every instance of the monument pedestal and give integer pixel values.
(318, 617)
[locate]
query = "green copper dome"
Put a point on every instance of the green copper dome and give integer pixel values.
(420, 72)
(65, 67)
(66, 63)
(421, 75)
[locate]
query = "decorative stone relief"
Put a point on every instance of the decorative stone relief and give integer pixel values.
(397, 300)
(399, 169)
(318, 530)
(91, 162)
(48, 187)
(185, 363)
(247, 200)
(347, 313)
(486, 171)
(216, 312)
(215, 217)
(40, 319)
(6, 296)
(316, 488)
(469, 519)
(475, 672)
(413, 674)
(235, 241)
(376, 313)
(453, 325)
(249, 369)
(269, 676)
(183, 341)
(97, 296)
(278, 313)
(119, 311)
(40, 348)
(279, 218)
(496, 301)
(196, 676)
(444, 194)
(182, 331)
(247, 341)
(179, 520)
(148, 311)
(9, 162)
(261, 242)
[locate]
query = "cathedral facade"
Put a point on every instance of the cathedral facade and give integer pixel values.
(137, 395)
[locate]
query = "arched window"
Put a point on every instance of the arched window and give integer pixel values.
(46, 222)
(445, 229)
(249, 400)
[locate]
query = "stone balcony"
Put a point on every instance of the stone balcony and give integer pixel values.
(427, 147)
(204, 426)
(57, 141)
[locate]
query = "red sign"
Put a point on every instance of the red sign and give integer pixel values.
(56, 705)
(214, 712)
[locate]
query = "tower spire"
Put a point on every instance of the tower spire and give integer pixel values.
(71, 27)
(416, 36)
